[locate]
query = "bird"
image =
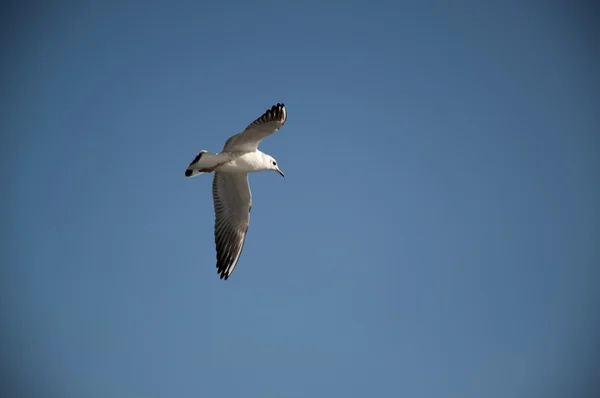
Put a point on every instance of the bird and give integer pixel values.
(232, 198)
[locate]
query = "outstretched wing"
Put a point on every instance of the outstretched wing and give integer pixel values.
(232, 200)
(267, 124)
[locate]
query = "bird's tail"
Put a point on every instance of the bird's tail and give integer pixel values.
(205, 162)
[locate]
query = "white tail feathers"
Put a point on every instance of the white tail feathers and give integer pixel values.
(203, 163)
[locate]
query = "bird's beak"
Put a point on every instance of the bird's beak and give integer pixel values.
(280, 172)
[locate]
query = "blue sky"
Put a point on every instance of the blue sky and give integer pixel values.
(435, 235)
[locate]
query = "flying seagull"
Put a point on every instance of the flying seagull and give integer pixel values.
(231, 192)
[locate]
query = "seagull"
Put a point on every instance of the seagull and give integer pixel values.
(232, 198)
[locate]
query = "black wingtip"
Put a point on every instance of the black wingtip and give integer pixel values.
(188, 172)
(197, 158)
(222, 275)
(275, 111)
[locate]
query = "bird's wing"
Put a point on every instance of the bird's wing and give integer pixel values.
(232, 200)
(267, 124)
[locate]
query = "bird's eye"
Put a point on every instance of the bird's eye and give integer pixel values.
(274, 163)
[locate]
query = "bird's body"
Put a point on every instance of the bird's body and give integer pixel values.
(240, 162)
(231, 191)
(233, 162)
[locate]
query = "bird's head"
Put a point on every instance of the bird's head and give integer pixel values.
(272, 165)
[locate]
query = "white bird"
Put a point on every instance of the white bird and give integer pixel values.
(231, 192)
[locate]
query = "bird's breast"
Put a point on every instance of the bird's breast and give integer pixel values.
(243, 163)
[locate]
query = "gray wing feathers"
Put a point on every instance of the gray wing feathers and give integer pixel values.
(232, 200)
(267, 124)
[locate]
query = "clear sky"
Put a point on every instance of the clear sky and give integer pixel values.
(436, 234)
